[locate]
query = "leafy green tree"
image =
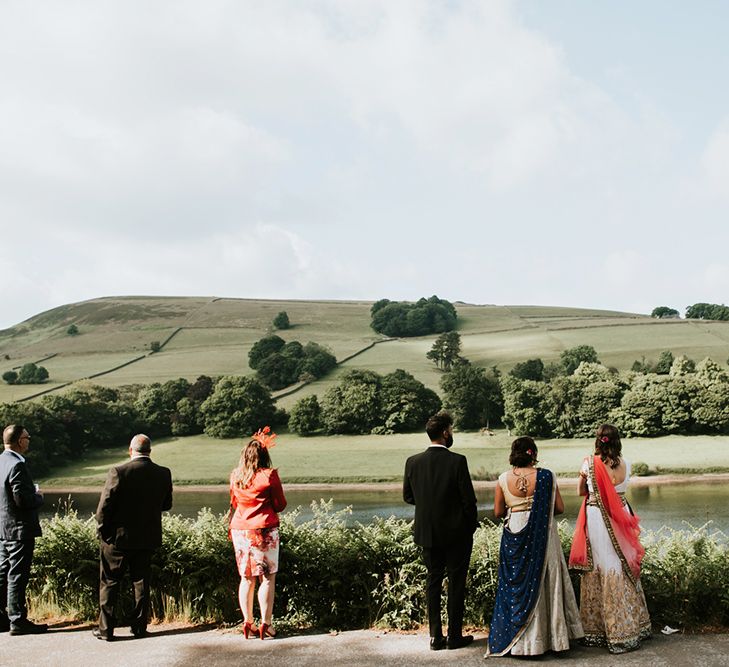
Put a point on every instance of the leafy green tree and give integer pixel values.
(317, 361)
(277, 371)
(156, 405)
(354, 405)
(446, 350)
(682, 365)
(524, 406)
(32, 374)
(200, 389)
(263, 348)
(532, 369)
(281, 321)
(238, 407)
(93, 416)
(472, 395)
(11, 377)
(641, 408)
(665, 361)
(155, 346)
(185, 419)
(72, 330)
(707, 311)
(574, 356)
(406, 403)
(560, 409)
(306, 416)
(51, 442)
(664, 311)
(400, 318)
(597, 401)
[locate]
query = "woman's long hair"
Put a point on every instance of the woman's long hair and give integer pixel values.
(608, 445)
(252, 457)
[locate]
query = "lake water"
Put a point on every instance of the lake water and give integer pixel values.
(677, 506)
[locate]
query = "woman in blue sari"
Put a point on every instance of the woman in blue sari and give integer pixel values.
(535, 609)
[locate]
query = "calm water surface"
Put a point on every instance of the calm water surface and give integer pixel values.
(676, 506)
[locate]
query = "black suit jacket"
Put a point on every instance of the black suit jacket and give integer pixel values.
(19, 502)
(437, 482)
(130, 509)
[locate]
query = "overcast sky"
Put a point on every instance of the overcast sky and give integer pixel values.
(523, 152)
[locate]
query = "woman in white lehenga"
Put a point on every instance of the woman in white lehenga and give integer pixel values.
(535, 609)
(606, 547)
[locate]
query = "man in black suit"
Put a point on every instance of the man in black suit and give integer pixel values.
(129, 518)
(437, 482)
(19, 526)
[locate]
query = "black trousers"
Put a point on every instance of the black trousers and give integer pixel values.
(15, 559)
(114, 563)
(451, 561)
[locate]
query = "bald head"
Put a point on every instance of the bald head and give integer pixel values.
(140, 444)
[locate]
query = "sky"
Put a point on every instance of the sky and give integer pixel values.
(496, 152)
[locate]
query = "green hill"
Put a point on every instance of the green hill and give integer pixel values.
(213, 336)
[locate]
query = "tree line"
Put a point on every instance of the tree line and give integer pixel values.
(688, 399)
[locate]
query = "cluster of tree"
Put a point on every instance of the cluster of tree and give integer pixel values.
(29, 374)
(366, 402)
(690, 399)
(569, 360)
(72, 330)
(281, 321)
(664, 311)
(89, 416)
(401, 318)
(661, 367)
(446, 350)
(473, 395)
(708, 311)
(279, 364)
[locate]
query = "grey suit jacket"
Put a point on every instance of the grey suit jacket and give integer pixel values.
(19, 501)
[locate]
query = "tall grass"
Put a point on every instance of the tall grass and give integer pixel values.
(335, 577)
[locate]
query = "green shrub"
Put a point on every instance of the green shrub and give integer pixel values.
(640, 469)
(335, 576)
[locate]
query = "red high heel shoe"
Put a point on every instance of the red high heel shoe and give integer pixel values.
(249, 629)
(265, 631)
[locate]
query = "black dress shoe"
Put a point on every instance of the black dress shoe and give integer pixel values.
(26, 627)
(437, 643)
(99, 635)
(139, 633)
(459, 642)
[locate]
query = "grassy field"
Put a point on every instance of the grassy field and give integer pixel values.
(215, 336)
(199, 459)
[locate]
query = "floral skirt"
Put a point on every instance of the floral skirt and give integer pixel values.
(256, 551)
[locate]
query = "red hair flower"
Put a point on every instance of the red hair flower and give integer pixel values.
(265, 436)
(605, 439)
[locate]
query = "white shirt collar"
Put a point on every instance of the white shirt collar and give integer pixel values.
(435, 444)
(138, 455)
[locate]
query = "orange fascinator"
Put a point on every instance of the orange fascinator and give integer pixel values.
(265, 436)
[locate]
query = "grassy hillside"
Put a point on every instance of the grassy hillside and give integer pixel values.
(213, 336)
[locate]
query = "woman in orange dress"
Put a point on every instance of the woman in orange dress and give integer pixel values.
(256, 497)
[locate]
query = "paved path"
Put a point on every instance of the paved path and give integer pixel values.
(73, 646)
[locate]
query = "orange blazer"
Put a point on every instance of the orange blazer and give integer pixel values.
(257, 505)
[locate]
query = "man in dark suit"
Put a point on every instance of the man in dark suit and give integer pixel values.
(129, 518)
(437, 482)
(19, 526)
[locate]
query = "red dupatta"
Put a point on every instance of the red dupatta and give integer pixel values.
(623, 527)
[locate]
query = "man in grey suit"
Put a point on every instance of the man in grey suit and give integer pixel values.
(19, 526)
(129, 518)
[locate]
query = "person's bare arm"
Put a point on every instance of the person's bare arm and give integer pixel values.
(499, 503)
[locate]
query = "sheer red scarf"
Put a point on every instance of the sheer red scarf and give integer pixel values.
(622, 526)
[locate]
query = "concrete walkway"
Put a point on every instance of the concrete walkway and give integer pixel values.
(173, 645)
